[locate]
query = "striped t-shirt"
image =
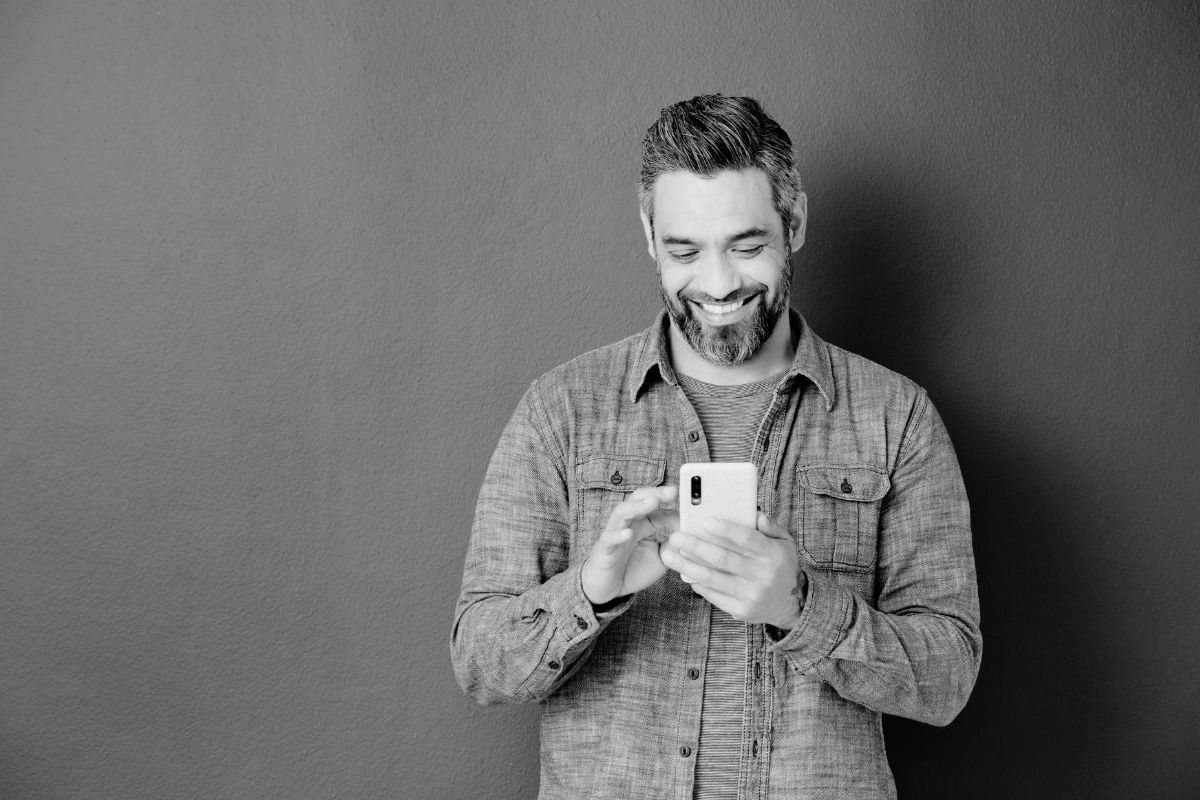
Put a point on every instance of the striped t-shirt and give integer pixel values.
(730, 416)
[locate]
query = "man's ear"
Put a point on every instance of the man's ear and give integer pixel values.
(648, 229)
(798, 222)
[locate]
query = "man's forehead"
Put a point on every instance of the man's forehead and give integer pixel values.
(739, 198)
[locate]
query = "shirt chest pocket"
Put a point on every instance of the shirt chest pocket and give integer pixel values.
(839, 515)
(602, 481)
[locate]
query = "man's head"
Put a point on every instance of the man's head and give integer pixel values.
(713, 133)
(722, 210)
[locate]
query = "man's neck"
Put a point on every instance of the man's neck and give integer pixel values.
(775, 355)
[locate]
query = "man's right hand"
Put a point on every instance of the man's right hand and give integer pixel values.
(625, 558)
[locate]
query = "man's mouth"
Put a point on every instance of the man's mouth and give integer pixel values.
(720, 310)
(723, 308)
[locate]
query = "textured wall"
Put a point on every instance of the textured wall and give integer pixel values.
(273, 274)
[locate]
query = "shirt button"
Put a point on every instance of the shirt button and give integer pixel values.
(693, 436)
(616, 478)
(693, 673)
(846, 487)
(554, 665)
(582, 623)
(685, 751)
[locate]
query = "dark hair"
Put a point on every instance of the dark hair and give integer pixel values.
(712, 133)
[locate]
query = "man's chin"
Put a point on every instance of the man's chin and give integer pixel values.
(726, 345)
(723, 345)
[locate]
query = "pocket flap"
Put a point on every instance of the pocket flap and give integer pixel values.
(857, 483)
(622, 473)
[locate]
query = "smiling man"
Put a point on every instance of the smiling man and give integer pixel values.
(724, 271)
(729, 662)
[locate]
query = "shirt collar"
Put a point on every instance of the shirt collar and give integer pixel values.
(811, 361)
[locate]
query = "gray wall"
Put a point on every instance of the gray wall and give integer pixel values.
(275, 273)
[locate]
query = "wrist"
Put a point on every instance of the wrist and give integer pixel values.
(590, 593)
(788, 621)
(596, 595)
(798, 593)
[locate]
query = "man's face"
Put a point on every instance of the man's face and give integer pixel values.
(722, 255)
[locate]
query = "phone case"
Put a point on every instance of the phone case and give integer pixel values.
(727, 491)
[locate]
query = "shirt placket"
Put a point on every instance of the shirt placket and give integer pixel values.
(759, 686)
(695, 450)
(755, 742)
(756, 735)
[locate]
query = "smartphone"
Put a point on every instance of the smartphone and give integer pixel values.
(726, 490)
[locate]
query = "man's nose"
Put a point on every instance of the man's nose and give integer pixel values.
(718, 278)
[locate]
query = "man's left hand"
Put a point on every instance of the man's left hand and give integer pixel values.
(753, 575)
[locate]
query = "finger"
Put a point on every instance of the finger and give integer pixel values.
(665, 494)
(700, 575)
(729, 534)
(657, 525)
(771, 528)
(708, 554)
(640, 503)
(664, 518)
(628, 511)
(612, 544)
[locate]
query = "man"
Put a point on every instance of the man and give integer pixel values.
(728, 662)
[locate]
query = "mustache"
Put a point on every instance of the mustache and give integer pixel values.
(736, 296)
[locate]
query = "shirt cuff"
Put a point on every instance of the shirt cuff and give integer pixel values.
(573, 628)
(574, 615)
(822, 624)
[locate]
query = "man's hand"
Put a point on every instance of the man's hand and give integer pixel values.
(753, 575)
(625, 559)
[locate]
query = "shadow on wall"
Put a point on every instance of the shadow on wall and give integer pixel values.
(883, 268)
(885, 274)
(1048, 689)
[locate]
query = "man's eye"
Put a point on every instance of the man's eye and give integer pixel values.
(684, 256)
(749, 252)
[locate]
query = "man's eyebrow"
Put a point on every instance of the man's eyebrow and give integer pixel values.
(749, 233)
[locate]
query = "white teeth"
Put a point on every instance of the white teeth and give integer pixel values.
(723, 308)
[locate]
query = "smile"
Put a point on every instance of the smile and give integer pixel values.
(723, 308)
(720, 312)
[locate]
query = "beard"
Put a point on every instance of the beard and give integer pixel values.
(737, 342)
